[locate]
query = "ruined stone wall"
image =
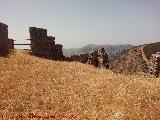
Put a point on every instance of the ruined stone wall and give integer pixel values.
(43, 45)
(11, 43)
(83, 58)
(4, 47)
(154, 65)
(97, 58)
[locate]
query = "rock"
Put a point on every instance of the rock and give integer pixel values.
(97, 58)
(154, 65)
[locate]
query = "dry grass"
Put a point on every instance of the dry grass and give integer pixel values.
(33, 85)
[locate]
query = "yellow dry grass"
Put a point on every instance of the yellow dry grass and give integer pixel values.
(43, 87)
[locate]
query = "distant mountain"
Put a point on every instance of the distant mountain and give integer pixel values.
(133, 60)
(110, 49)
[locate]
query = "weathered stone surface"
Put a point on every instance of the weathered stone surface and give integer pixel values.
(11, 43)
(97, 58)
(43, 45)
(154, 65)
(4, 47)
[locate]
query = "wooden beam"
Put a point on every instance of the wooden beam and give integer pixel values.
(21, 44)
(28, 39)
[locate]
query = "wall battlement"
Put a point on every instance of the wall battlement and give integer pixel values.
(4, 47)
(43, 45)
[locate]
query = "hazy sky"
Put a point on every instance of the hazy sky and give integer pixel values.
(76, 23)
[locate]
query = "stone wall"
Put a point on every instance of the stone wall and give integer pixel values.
(11, 43)
(83, 58)
(97, 58)
(154, 65)
(4, 47)
(43, 45)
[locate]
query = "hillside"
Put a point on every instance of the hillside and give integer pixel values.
(91, 47)
(32, 85)
(129, 61)
(134, 60)
(152, 48)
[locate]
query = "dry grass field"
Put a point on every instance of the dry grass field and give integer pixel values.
(41, 89)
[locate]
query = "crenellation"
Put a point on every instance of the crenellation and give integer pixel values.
(43, 45)
(4, 46)
(3, 26)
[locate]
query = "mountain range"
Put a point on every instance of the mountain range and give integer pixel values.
(110, 49)
(133, 60)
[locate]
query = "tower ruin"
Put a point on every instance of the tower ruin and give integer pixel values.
(43, 45)
(4, 47)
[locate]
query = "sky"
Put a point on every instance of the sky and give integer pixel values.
(76, 23)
